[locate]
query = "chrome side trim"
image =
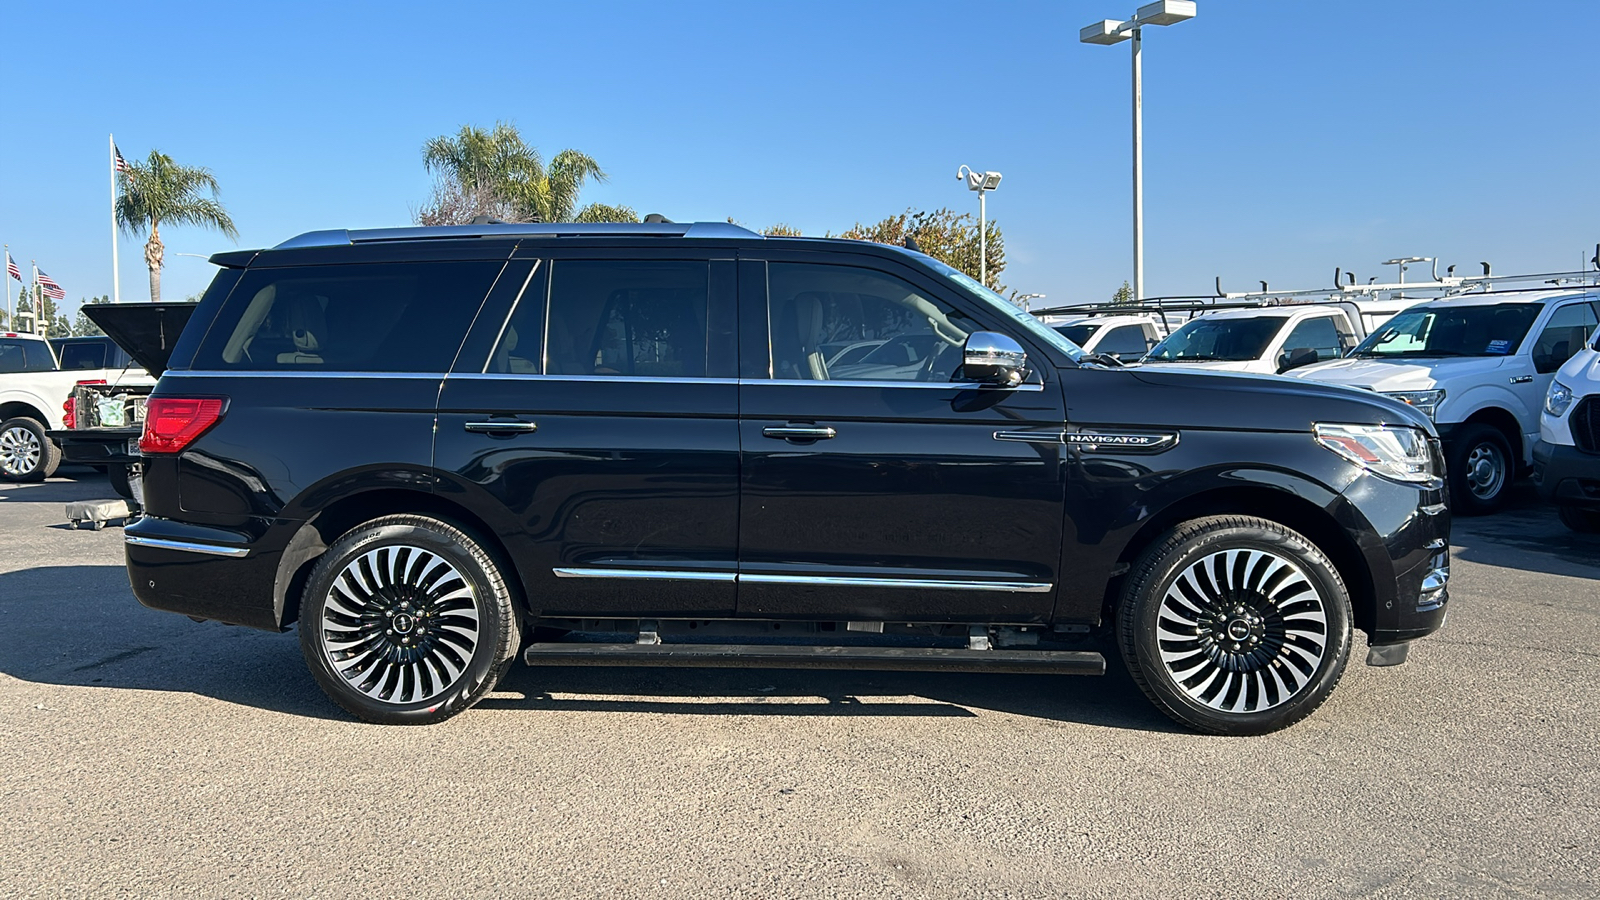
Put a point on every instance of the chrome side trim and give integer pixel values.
(1434, 509)
(185, 546)
(594, 379)
(646, 574)
(1026, 587)
(949, 385)
(281, 373)
(1032, 437)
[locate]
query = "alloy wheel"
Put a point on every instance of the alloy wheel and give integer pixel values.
(400, 624)
(19, 451)
(1242, 630)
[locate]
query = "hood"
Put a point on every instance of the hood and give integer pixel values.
(1398, 374)
(1581, 373)
(1200, 399)
(147, 331)
(1215, 365)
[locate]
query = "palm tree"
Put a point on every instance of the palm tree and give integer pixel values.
(158, 191)
(499, 168)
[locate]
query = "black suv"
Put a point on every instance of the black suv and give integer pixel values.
(440, 449)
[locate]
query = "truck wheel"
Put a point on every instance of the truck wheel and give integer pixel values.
(1481, 468)
(118, 476)
(26, 452)
(407, 620)
(1235, 625)
(1583, 521)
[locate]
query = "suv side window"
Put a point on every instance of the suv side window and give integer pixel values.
(1567, 331)
(25, 356)
(1320, 334)
(1124, 341)
(392, 317)
(816, 308)
(641, 318)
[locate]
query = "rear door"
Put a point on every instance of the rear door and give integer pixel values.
(887, 489)
(597, 418)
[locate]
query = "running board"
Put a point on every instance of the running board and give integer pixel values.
(771, 656)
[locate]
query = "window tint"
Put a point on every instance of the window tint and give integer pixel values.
(1124, 341)
(25, 356)
(521, 344)
(84, 355)
(1565, 334)
(911, 337)
(1320, 334)
(1206, 339)
(642, 318)
(395, 317)
(1078, 333)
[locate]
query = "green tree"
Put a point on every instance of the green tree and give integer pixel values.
(1123, 296)
(81, 325)
(495, 172)
(158, 191)
(54, 322)
(943, 234)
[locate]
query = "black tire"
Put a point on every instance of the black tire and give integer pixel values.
(1481, 467)
(1583, 521)
(26, 452)
(118, 476)
(442, 662)
(1245, 652)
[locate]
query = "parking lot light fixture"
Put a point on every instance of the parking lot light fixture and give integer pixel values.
(1112, 31)
(983, 183)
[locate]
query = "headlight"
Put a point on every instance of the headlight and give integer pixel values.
(1559, 398)
(1392, 451)
(1425, 401)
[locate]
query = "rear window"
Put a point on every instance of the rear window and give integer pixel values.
(25, 356)
(87, 355)
(391, 317)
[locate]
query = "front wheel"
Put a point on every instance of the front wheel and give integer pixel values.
(26, 452)
(1480, 468)
(407, 620)
(1235, 625)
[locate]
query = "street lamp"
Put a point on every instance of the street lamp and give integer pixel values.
(1026, 300)
(1110, 31)
(983, 183)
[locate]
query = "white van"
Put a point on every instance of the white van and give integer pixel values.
(1566, 460)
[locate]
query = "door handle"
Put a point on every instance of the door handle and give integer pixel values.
(799, 433)
(504, 427)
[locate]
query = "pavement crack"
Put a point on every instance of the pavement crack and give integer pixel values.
(114, 658)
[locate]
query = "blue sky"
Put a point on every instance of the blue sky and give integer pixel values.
(1282, 138)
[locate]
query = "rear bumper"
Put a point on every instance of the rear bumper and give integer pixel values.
(201, 571)
(1566, 475)
(97, 446)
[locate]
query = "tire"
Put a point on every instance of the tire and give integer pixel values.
(1583, 521)
(1481, 468)
(118, 476)
(461, 630)
(1214, 651)
(26, 452)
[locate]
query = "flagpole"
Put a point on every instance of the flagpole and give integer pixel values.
(11, 311)
(34, 295)
(116, 274)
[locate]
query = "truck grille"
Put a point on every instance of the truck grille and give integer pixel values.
(1585, 423)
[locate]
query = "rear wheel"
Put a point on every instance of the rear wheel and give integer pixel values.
(26, 452)
(407, 620)
(1235, 625)
(1583, 521)
(1481, 468)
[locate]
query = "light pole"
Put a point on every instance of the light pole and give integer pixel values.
(983, 183)
(1110, 31)
(1026, 300)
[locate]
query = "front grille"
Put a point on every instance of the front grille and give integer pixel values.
(1585, 424)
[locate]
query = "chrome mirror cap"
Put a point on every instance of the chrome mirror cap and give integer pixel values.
(994, 359)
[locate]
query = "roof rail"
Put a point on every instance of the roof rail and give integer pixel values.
(343, 237)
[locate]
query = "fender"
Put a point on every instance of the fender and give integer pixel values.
(51, 414)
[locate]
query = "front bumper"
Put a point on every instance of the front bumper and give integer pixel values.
(1566, 475)
(1404, 533)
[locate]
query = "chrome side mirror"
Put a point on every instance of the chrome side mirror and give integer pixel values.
(994, 359)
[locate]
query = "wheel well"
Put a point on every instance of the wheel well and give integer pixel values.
(1286, 509)
(17, 408)
(326, 527)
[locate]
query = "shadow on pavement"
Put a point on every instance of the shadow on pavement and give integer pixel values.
(1526, 535)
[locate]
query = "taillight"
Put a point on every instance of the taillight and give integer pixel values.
(172, 423)
(69, 413)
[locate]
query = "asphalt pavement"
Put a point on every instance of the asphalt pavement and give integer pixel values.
(145, 755)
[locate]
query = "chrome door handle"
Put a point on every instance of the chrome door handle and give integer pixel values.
(507, 427)
(797, 433)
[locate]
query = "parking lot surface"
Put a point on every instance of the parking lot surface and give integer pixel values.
(142, 754)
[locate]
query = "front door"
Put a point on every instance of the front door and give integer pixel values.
(875, 485)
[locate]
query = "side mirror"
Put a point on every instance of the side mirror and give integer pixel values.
(1294, 359)
(995, 359)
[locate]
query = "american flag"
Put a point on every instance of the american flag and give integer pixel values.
(122, 164)
(11, 267)
(51, 289)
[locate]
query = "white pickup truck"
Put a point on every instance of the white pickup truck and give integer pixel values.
(1267, 340)
(1480, 366)
(36, 378)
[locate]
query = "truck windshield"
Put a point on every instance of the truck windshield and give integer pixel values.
(1423, 331)
(1078, 334)
(1210, 339)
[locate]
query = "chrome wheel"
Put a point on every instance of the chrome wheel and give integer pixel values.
(400, 624)
(20, 451)
(1485, 471)
(1242, 630)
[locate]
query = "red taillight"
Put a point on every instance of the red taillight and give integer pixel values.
(69, 413)
(172, 423)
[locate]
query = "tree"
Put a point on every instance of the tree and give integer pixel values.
(81, 325)
(55, 323)
(157, 191)
(497, 173)
(1123, 296)
(944, 235)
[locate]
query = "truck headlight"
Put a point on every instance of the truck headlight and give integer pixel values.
(1425, 401)
(1393, 451)
(1559, 398)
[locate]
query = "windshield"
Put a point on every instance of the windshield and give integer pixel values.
(1432, 331)
(1208, 339)
(1078, 334)
(1027, 320)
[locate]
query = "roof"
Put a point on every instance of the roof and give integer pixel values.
(341, 237)
(1107, 320)
(1494, 298)
(1261, 312)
